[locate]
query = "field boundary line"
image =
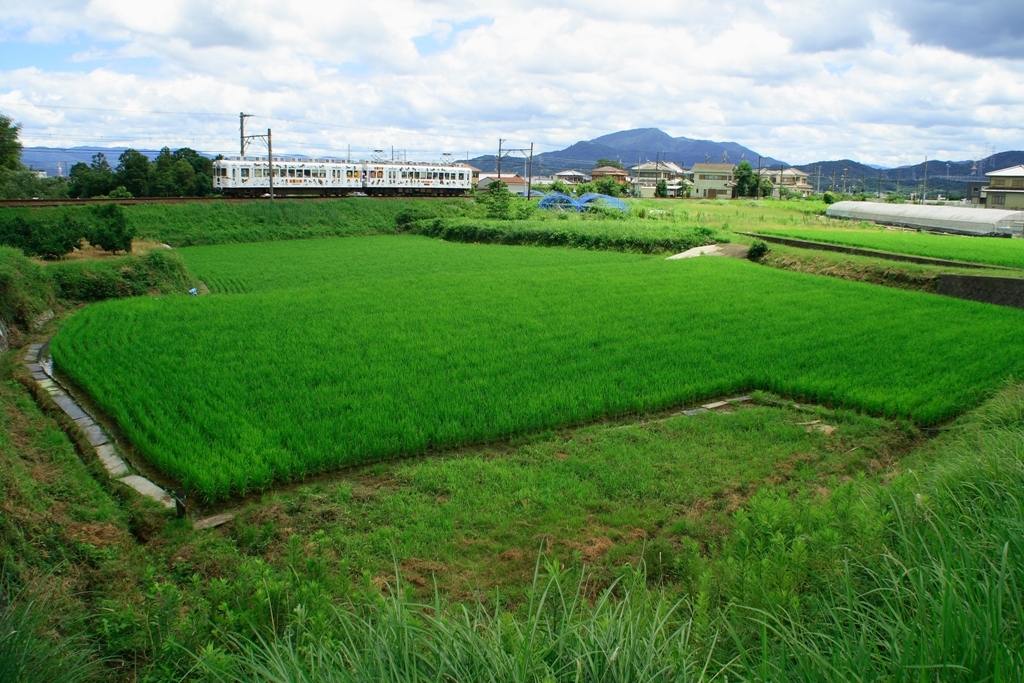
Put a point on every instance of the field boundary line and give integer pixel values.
(90, 430)
(860, 251)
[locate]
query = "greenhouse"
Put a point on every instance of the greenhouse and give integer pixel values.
(954, 219)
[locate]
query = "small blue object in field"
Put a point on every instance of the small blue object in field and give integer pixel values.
(561, 202)
(194, 291)
(558, 202)
(604, 201)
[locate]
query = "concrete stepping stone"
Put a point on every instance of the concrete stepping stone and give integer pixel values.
(215, 521)
(148, 489)
(84, 422)
(40, 376)
(65, 403)
(95, 434)
(34, 367)
(715, 405)
(112, 462)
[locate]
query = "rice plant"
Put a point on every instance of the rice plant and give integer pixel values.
(343, 352)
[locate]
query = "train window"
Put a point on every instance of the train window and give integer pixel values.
(291, 172)
(257, 173)
(245, 173)
(308, 173)
(348, 173)
(460, 177)
(417, 174)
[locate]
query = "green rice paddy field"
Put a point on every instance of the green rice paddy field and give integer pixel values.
(316, 354)
(989, 250)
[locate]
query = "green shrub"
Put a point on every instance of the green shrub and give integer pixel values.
(159, 271)
(757, 250)
(110, 230)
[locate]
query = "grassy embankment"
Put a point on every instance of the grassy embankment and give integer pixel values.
(356, 350)
(992, 251)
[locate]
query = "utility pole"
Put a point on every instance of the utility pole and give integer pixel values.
(270, 154)
(241, 132)
(897, 182)
(500, 142)
(757, 195)
(832, 187)
(529, 176)
(924, 195)
(270, 162)
(844, 179)
(879, 184)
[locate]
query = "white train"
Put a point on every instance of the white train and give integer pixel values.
(250, 177)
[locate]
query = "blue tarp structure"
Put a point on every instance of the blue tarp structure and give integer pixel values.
(560, 202)
(604, 201)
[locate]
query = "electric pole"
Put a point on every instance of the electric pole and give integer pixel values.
(757, 194)
(500, 141)
(879, 184)
(529, 176)
(270, 163)
(241, 132)
(924, 195)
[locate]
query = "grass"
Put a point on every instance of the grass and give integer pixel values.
(988, 250)
(392, 346)
(929, 588)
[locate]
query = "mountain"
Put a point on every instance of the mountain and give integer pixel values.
(948, 177)
(629, 146)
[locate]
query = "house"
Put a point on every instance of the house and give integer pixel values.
(572, 177)
(793, 179)
(1005, 189)
(516, 185)
(712, 181)
(974, 188)
(474, 172)
(610, 172)
(653, 171)
(647, 175)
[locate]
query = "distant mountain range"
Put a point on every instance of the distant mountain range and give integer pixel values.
(629, 147)
(649, 144)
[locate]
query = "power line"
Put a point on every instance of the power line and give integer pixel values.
(120, 111)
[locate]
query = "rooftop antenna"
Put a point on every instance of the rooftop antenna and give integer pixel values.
(707, 158)
(725, 157)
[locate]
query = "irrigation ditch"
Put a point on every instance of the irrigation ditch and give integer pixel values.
(991, 289)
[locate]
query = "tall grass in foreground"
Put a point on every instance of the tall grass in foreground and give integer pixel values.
(940, 602)
(29, 651)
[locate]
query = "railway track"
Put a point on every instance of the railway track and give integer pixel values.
(182, 200)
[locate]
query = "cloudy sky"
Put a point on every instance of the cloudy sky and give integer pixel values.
(884, 83)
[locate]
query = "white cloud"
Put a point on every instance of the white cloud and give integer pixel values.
(851, 80)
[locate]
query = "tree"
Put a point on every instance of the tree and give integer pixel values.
(10, 146)
(608, 162)
(608, 185)
(661, 189)
(560, 186)
(133, 172)
(746, 180)
(110, 230)
(92, 180)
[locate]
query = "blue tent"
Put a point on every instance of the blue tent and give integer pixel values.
(604, 201)
(558, 202)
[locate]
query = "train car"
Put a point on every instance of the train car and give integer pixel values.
(250, 177)
(391, 179)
